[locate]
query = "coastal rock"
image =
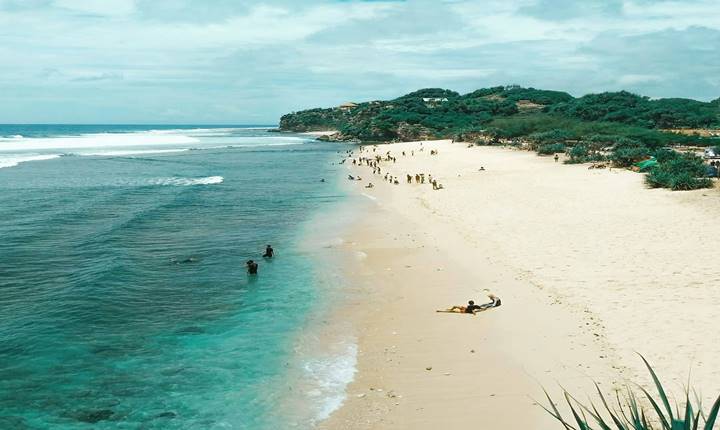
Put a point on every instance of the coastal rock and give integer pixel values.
(95, 416)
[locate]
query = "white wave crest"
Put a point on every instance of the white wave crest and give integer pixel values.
(14, 160)
(193, 131)
(184, 182)
(129, 152)
(96, 140)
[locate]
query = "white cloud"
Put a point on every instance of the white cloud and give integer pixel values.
(98, 7)
(230, 58)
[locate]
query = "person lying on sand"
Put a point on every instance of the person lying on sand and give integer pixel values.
(369, 185)
(472, 308)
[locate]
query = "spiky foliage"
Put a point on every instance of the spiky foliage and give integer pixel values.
(679, 172)
(629, 414)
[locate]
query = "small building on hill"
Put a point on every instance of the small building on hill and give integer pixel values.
(348, 106)
(435, 99)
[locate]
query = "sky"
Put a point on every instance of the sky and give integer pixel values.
(249, 62)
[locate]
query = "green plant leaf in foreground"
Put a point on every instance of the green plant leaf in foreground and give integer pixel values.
(631, 415)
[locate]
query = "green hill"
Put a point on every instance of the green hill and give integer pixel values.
(512, 112)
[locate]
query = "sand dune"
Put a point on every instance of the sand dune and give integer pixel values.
(592, 267)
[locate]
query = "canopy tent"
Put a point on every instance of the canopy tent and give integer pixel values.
(646, 164)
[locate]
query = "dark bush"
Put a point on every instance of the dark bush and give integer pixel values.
(582, 153)
(627, 152)
(551, 148)
(681, 172)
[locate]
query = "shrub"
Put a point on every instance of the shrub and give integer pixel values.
(627, 152)
(581, 153)
(551, 148)
(681, 172)
(629, 414)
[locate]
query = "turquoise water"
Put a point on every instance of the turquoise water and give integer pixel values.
(124, 301)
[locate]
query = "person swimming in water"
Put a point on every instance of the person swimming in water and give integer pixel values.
(269, 252)
(252, 267)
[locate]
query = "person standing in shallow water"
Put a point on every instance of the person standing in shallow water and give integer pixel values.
(252, 267)
(269, 252)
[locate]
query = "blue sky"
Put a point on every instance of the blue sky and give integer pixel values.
(222, 61)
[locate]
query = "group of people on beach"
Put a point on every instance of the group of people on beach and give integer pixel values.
(252, 265)
(375, 161)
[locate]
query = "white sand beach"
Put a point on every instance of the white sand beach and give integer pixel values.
(592, 268)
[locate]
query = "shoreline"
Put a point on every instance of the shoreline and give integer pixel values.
(425, 250)
(324, 350)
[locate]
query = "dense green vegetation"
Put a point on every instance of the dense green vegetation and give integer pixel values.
(315, 120)
(509, 112)
(619, 127)
(679, 172)
(641, 111)
(628, 413)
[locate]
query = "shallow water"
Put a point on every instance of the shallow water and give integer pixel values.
(124, 301)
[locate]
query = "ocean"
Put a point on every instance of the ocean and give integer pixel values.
(124, 299)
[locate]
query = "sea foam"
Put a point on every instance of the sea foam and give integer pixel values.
(184, 182)
(330, 376)
(96, 140)
(122, 153)
(14, 160)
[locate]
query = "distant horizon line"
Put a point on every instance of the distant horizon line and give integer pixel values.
(142, 123)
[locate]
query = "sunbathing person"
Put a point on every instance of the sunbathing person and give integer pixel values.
(472, 308)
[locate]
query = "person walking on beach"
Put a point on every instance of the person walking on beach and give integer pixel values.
(252, 267)
(269, 252)
(557, 157)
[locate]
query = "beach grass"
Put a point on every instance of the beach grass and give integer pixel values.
(628, 413)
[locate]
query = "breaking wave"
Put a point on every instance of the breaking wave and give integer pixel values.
(129, 152)
(184, 182)
(14, 160)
